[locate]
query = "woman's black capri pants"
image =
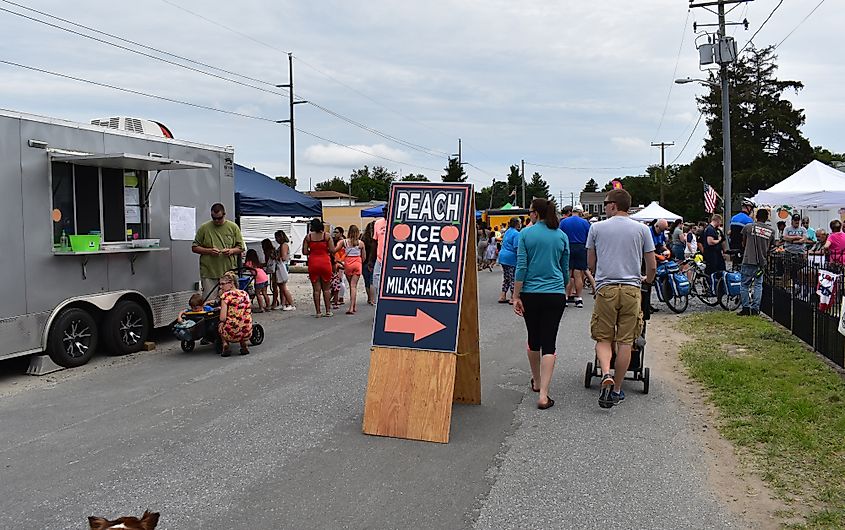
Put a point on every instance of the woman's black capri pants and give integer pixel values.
(542, 313)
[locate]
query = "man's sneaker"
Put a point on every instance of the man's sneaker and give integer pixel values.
(579, 302)
(289, 308)
(605, 398)
(617, 397)
(744, 312)
(755, 312)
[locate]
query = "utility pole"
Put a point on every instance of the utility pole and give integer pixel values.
(523, 185)
(560, 199)
(662, 146)
(492, 191)
(724, 52)
(458, 155)
(291, 104)
(572, 199)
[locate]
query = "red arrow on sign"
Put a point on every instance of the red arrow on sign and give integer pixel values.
(421, 325)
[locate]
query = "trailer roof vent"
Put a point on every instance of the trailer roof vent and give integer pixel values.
(136, 125)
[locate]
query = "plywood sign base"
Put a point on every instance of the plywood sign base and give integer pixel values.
(409, 394)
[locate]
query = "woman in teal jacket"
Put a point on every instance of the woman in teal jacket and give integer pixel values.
(507, 258)
(539, 295)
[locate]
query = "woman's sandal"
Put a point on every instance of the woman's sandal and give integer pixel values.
(533, 388)
(549, 404)
(226, 352)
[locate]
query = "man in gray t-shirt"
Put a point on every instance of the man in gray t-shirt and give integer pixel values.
(616, 249)
(758, 239)
(795, 236)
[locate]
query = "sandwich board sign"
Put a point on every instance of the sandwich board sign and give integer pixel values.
(422, 272)
(427, 312)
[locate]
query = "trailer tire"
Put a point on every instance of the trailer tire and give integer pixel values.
(72, 339)
(126, 328)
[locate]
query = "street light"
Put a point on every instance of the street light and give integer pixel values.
(726, 138)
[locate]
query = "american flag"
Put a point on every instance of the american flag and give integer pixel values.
(710, 197)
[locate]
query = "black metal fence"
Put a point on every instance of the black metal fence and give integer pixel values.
(791, 297)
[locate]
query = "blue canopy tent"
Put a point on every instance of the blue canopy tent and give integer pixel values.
(374, 211)
(258, 194)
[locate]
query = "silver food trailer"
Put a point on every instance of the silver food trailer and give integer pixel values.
(96, 239)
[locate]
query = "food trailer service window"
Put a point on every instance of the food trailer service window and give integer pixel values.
(106, 194)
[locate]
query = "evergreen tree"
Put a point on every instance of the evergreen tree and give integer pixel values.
(591, 186)
(454, 172)
(287, 181)
(766, 141)
(537, 188)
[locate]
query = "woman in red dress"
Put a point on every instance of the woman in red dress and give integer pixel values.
(235, 314)
(319, 248)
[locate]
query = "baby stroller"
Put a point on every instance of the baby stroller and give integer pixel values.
(635, 368)
(202, 326)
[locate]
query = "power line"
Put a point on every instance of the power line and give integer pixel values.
(700, 114)
(136, 92)
(137, 51)
(674, 74)
(799, 24)
(585, 168)
(218, 24)
(122, 39)
(761, 27)
(400, 141)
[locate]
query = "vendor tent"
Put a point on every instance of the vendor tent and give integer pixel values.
(258, 194)
(374, 211)
(815, 185)
(654, 211)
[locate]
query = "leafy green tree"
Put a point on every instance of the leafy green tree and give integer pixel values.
(537, 187)
(287, 181)
(410, 177)
(334, 184)
(766, 140)
(494, 196)
(371, 185)
(591, 186)
(454, 172)
(826, 157)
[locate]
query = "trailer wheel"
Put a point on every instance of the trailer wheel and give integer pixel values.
(125, 328)
(73, 338)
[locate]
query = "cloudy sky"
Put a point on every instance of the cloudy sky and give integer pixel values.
(576, 89)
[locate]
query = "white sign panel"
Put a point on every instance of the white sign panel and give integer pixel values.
(183, 223)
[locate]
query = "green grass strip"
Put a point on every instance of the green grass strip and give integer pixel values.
(780, 403)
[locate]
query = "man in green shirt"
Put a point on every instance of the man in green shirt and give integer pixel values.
(218, 242)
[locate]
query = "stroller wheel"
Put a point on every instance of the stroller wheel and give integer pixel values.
(645, 380)
(588, 375)
(187, 346)
(257, 335)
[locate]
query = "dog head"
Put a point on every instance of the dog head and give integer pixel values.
(148, 521)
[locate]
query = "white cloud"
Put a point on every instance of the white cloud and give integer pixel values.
(331, 155)
(627, 143)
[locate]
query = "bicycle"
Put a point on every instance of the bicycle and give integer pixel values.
(719, 288)
(673, 287)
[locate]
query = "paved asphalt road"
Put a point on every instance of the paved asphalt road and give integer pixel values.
(273, 440)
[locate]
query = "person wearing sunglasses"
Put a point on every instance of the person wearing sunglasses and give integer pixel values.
(218, 242)
(616, 250)
(539, 292)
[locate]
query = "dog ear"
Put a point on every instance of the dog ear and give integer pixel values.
(149, 520)
(97, 523)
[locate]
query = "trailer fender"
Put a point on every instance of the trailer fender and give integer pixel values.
(104, 302)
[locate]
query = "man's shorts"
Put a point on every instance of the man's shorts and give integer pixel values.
(577, 257)
(617, 315)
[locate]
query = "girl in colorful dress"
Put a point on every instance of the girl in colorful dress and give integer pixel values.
(356, 253)
(319, 248)
(235, 314)
(262, 280)
(271, 266)
(282, 270)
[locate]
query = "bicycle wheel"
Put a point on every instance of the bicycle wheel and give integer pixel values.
(678, 304)
(728, 302)
(701, 289)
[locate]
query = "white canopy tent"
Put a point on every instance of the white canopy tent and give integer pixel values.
(654, 211)
(816, 185)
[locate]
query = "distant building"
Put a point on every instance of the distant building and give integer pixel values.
(332, 198)
(593, 202)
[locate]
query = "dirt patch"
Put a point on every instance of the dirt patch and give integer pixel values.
(738, 486)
